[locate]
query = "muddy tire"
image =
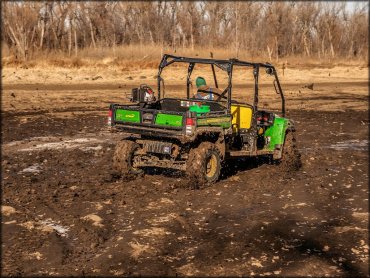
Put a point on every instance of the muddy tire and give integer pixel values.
(204, 165)
(123, 159)
(291, 158)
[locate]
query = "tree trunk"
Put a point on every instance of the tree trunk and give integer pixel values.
(31, 41)
(42, 34)
(92, 34)
(306, 45)
(269, 53)
(331, 43)
(323, 47)
(191, 34)
(24, 42)
(236, 31)
(277, 48)
(151, 37)
(114, 45)
(20, 47)
(76, 46)
(70, 40)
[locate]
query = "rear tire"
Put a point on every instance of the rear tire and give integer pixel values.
(123, 159)
(204, 164)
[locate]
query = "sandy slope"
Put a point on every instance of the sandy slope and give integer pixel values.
(336, 88)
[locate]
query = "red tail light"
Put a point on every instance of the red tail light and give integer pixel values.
(110, 114)
(190, 121)
(190, 126)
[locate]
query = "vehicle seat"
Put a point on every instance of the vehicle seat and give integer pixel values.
(242, 116)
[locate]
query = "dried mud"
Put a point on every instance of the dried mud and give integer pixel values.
(65, 213)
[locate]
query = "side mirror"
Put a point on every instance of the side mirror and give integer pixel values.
(269, 71)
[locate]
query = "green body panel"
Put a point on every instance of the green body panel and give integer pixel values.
(168, 120)
(127, 116)
(224, 122)
(276, 132)
(199, 109)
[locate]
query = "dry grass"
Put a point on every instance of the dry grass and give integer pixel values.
(148, 56)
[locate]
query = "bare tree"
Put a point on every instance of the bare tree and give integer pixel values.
(276, 29)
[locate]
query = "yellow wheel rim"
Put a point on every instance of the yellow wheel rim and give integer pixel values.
(211, 166)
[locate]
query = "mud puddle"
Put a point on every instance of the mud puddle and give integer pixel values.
(86, 143)
(355, 145)
(61, 230)
(351, 145)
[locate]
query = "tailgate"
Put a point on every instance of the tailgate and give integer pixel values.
(135, 116)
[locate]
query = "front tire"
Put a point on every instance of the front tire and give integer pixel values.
(291, 158)
(204, 164)
(123, 158)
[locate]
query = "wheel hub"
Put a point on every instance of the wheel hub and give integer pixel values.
(211, 166)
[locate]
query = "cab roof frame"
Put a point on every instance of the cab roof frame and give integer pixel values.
(225, 65)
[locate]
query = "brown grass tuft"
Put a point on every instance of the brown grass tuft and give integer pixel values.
(137, 57)
(56, 62)
(76, 62)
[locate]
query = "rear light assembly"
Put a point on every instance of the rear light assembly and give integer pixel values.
(110, 114)
(190, 124)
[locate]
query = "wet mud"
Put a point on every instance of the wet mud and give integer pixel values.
(65, 213)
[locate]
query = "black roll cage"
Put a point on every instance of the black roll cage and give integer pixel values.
(225, 65)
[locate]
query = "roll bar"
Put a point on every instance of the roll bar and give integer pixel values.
(225, 65)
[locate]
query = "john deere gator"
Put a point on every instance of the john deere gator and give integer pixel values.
(197, 135)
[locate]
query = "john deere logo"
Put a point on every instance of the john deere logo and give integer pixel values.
(130, 115)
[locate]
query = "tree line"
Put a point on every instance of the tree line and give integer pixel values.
(278, 29)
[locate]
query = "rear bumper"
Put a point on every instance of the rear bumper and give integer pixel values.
(177, 165)
(166, 133)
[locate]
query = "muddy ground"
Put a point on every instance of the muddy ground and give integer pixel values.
(64, 213)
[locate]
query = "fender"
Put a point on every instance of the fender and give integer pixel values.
(277, 132)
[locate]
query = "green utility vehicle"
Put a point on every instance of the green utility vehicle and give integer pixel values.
(197, 135)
